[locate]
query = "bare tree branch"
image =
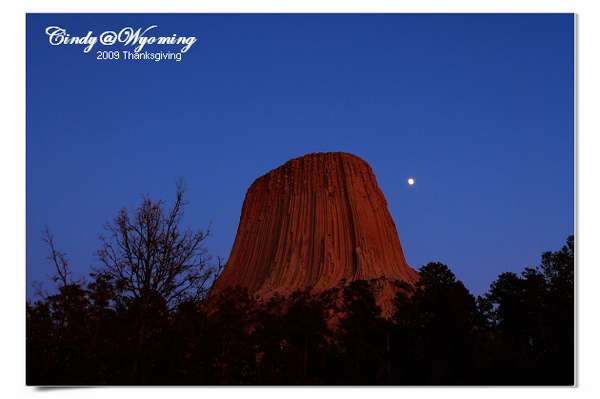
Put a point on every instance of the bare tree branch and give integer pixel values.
(56, 257)
(149, 253)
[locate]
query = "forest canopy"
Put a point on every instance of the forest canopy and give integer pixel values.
(143, 318)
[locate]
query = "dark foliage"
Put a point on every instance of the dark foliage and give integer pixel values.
(435, 332)
(362, 339)
(532, 322)
(520, 332)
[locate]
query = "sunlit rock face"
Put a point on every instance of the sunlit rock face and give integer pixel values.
(319, 222)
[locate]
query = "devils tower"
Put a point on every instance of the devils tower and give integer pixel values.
(318, 221)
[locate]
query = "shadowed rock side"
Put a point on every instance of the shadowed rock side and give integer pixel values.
(317, 221)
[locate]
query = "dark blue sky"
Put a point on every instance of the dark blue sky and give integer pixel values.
(478, 109)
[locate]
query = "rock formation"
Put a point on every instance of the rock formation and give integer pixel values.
(318, 221)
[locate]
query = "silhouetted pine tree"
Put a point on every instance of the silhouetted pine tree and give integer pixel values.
(434, 338)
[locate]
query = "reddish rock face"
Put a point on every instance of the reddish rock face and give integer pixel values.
(318, 221)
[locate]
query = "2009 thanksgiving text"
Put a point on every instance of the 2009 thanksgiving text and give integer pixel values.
(127, 36)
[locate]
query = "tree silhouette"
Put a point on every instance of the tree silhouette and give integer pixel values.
(147, 253)
(291, 340)
(155, 266)
(233, 355)
(127, 327)
(69, 335)
(58, 259)
(362, 337)
(434, 335)
(533, 320)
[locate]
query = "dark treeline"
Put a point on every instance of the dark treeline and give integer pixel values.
(144, 319)
(520, 332)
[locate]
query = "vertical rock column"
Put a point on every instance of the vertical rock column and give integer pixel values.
(317, 221)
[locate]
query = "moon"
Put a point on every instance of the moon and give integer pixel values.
(411, 181)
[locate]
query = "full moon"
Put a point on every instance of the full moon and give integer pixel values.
(411, 181)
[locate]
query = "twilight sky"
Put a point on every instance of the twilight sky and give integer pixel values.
(478, 109)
